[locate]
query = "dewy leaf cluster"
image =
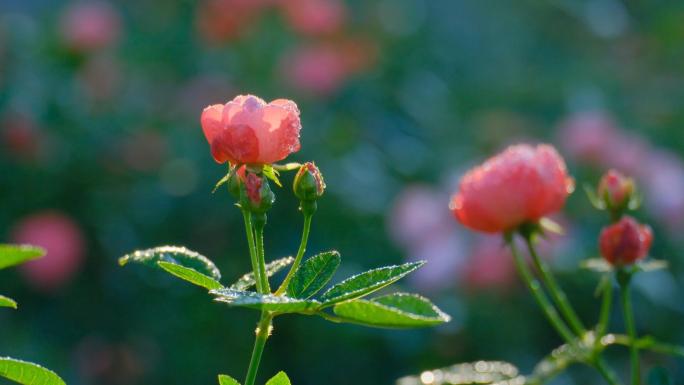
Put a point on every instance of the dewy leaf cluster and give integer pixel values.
(22, 372)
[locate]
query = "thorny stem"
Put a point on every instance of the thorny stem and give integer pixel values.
(555, 290)
(263, 331)
(300, 254)
(259, 224)
(542, 300)
(626, 300)
(252, 250)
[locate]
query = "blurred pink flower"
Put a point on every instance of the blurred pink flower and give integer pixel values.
(418, 215)
(586, 136)
(520, 185)
(490, 265)
(100, 78)
(21, 136)
(323, 68)
(90, 25)
(445, 254)
(661, 176)
(220, 21)
(315, 17)
(65, 245)
(625, 153)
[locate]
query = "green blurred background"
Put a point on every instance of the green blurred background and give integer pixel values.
(101, 153)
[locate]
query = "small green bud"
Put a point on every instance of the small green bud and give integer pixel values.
(308, 183)
(255, 192)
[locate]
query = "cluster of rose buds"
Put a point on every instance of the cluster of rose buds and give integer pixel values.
(626, 241)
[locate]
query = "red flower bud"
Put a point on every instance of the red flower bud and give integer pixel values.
(615, 190)
(308, 183)
(625, 242)
(520, 185)
(255, 192)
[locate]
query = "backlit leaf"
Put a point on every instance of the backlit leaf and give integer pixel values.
(27, 373)
(173, 254)
(11, 255)
(279, 379)
(268, 302)
(313, 274)
(400, 310)
(190, 275)
(247, 280)
(7, 302)
(227, 380)
(480, 372)
(368, 282)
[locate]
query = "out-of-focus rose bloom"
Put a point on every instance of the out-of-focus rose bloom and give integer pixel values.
(65, 245)
(317, 69)
(490, 265)
(625, 242)
(417, 215)
(202, 90)
(249, 130)
(90, 25)
(20, 136)
(445, 255)
(662, 174)
(520, 185)
(323, 68)
(144, 150)
(626, 153)
(100, 78)
(586, 136)
(615, 189)
(315, 17)
(220, 21)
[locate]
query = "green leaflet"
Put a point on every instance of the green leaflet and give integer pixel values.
(279, 379)
(400, 310)
(190, 275)
(227, 380)
(268, 302)
(313, 274)
(247, 281)
(480, 372)
(173, 254)
(368, 282)
(7, 302)
(27, 373)
(11, 255)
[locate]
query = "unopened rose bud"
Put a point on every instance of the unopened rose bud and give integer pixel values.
(308, 186)
(625, 242)
(255, 192)
(616, 191)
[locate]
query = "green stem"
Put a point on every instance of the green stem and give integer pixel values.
(535, 288)
(606, 305)
(300, 254)
(259, 224)
(263, 331)
(555, 290)
(249, 229)
(625, 296)
(605, 371)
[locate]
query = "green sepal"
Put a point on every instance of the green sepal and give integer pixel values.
(279, 379)
(7, 302)
(225, 379)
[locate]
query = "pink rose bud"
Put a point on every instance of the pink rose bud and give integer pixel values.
(255, 195)
(625, 242)
(249, 130)
(616, 190)
(519, 186)
(308, 183)
(65, 245)
(88, 26)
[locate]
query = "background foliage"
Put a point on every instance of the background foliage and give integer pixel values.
(101, 153)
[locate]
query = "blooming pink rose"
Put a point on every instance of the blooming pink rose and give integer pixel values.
(520, 185)
(315, 17)
(625, 242)
(87, 26)
(63, 240)
(249, 130)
